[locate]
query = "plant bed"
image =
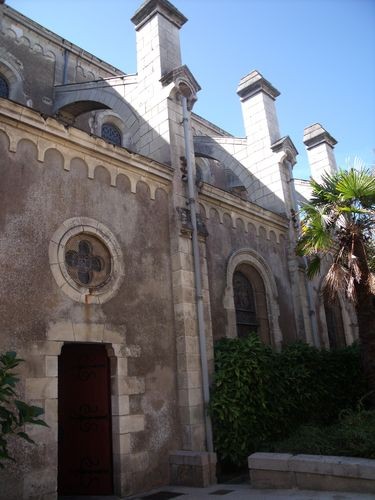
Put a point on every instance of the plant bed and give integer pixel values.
(352, 435)
(259, 396)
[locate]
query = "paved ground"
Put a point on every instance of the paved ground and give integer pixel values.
(235, 491)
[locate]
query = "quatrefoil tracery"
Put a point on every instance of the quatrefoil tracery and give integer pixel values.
(84, 262)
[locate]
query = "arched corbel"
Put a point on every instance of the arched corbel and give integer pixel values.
(184, 84)
(287, 150)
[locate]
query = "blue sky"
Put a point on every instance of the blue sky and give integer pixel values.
(320, 54)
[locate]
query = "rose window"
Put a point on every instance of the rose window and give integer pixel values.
(87, 260)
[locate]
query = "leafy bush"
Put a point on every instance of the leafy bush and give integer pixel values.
(315, 385)
(14, 414)
(353, 435)
(239, 403)
(259, 396)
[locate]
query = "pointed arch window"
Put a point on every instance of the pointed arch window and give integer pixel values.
(4, 88)
(335, 325)
(244, 303)
(111, 134)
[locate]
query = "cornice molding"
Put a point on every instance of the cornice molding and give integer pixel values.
(217, 198)
(253, 83)
(19, 122)
(314, 135)
(152, 7)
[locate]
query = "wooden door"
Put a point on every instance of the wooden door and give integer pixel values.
(84, 412)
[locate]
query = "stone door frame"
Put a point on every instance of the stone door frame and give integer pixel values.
(43, 392)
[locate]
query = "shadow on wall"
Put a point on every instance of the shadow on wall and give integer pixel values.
(234, 177)
(89, 105)
(79, 103)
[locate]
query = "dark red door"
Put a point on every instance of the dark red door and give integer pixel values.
(85, 442)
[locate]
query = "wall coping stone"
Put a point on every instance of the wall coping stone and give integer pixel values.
(269, 461)
(315, 134)
(360, 468)
(253, 83)
(152, 7)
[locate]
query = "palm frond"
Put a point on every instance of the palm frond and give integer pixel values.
(336, 280)
(354, 268)
(324, 191)
(311, 242)
(357, 185)
(350, 290)
(341, 211)
(315, 224)
(313, 267)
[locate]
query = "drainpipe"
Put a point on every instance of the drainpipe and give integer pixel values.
(197, 274)
(314, 325)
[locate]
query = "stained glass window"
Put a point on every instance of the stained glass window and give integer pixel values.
(4, 87)
(111, 134)
(244, 303)
(87, 260)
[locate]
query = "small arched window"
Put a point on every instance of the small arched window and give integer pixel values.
(244, 303)
(111, 134)
(4, 88)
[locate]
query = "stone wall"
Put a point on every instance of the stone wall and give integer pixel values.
(60, 179)
(41, 201)
(312, 472)
(31, 47)
(258, 238)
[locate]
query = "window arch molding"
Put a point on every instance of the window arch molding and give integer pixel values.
(14, 80)
(111, 133)
(203, 163)
(253, 259)
(101, 118)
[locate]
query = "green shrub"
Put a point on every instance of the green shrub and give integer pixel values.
(239, 404)
(353, 435)
(260, 396)
(308, 439)
(315, 385)
(14, 414)
(356, 434)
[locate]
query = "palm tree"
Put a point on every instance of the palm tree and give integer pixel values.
(338, 226)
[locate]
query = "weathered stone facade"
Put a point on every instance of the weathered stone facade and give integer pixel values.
(96, 242)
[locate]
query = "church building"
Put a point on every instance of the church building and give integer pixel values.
(134, 234)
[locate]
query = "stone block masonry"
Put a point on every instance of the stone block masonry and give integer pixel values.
(313, 472)
(190, 468)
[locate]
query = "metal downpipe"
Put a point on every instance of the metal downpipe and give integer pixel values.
(197, 274)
